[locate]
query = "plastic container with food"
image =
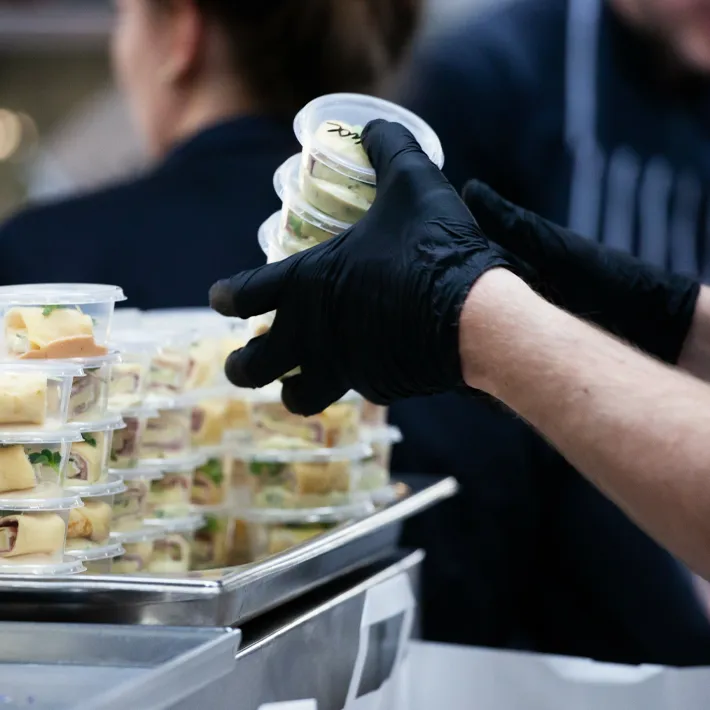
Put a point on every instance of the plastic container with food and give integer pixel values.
(33, 528)
(336, 175)
(90, 525)
(138, 548)
(172, 552)
(98, 559)
(170, 495)
(274, 427)
(306, 479)
(89, 393)
(170, 366)
(302, 224)
(89, 459)
(209, 414)
(130, 508)
(35, 394)
(126, 443)
(129, 378)
(266, 539)
(34, 462)
(211, 484)
(375, 477)
(210, 546)
(168, 435)
(57, 321)
(374, 415)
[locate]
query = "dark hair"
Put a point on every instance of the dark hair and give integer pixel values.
(290, 51)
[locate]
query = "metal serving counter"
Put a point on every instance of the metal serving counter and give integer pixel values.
(219, 598)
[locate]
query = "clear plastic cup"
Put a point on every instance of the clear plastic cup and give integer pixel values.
(210, 546)
(374, 415)
(33, 529)
(129, 378)
(57, 321)
(172, 553)
(89, 459)
(170, 366)
(138, 548)
(267, 539)
(329, 129)
(168, 435)
(303, 223)
(89, 393)
(34, 462)
(274, 427)
(376, 468)
(97, 558)
(211, 484)
(90, 525)
(126, 443)
(130, 509)
(210, 416)
(322, 479)
(170, 495)
(35, 394)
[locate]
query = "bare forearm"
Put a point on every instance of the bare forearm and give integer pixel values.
(695, 356)
(636, 428)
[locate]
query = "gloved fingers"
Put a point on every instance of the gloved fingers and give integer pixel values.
(261, 361)
(310, 393)
(250, 293)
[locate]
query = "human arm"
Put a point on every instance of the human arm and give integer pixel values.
(695, 355)
(638, 429)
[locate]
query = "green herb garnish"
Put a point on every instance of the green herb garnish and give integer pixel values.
(295, 224)
(53, 459)
(114, 455)
(212, 525)
(89, 439)
(48, 310)
(270, 470)
(213, 470)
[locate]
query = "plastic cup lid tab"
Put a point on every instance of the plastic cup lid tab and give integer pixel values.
(60, 294)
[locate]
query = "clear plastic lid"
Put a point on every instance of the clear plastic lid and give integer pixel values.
(127, 318)
(91, 552)
(133, 341)
(308, 516)
(222, 510)
(268, 232)
(131, 537)
(382, 435)
(109, 423)
(170, 526)
(185, 463)
(44, 497)
(68, 566)
(95, 362)
(148, 473)
(139, 412)
(30, 437)
(50, 368)
(356, 452)
(113, 486)
(357, 110)
(287, 188)
(60, 294)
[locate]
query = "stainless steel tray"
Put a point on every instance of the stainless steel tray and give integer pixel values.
(219, 598)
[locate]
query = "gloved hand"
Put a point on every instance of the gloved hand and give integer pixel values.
(647, 307)
(375, 309)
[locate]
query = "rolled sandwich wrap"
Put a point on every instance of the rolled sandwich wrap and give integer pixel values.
(31, 534)
(85, 462)
(50, 332)
(85, 393)
(23, 398)
(170, 555)
(92, 522)
(16, 471)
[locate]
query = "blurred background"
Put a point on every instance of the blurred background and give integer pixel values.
(62, 126)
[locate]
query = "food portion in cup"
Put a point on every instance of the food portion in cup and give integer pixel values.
(210, 484)
(172, 553)
(32, 537)
(376, 468)
(89, 459)
(170, 495)
(210, 547)
(170, 366)
(57, 321)
(138, 548)
(90, 525)
(130, 508)
(35, 395)
(126, 443)
(168, 435)
(89, 393)
(266, 539)
(209, 422)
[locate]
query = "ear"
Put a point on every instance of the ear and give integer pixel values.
(185, 37)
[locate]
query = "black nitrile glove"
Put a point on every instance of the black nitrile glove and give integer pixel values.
(643, 305)
(375, 309)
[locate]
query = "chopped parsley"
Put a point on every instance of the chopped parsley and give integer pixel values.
(213, 470)
(53, 459)
(89, 439)
(270, 470)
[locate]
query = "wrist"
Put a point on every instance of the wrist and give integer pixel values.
(496, 308)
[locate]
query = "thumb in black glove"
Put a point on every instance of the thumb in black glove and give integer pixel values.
(375, 309)
(641, 304)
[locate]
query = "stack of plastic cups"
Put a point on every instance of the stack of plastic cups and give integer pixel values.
(376, 480)
(55, 428)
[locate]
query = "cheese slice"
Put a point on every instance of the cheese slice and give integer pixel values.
(32, 533)
(23, 398)
(85, 463)
(92, 522)
(16, 471)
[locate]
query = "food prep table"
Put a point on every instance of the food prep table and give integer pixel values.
(300, 614)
